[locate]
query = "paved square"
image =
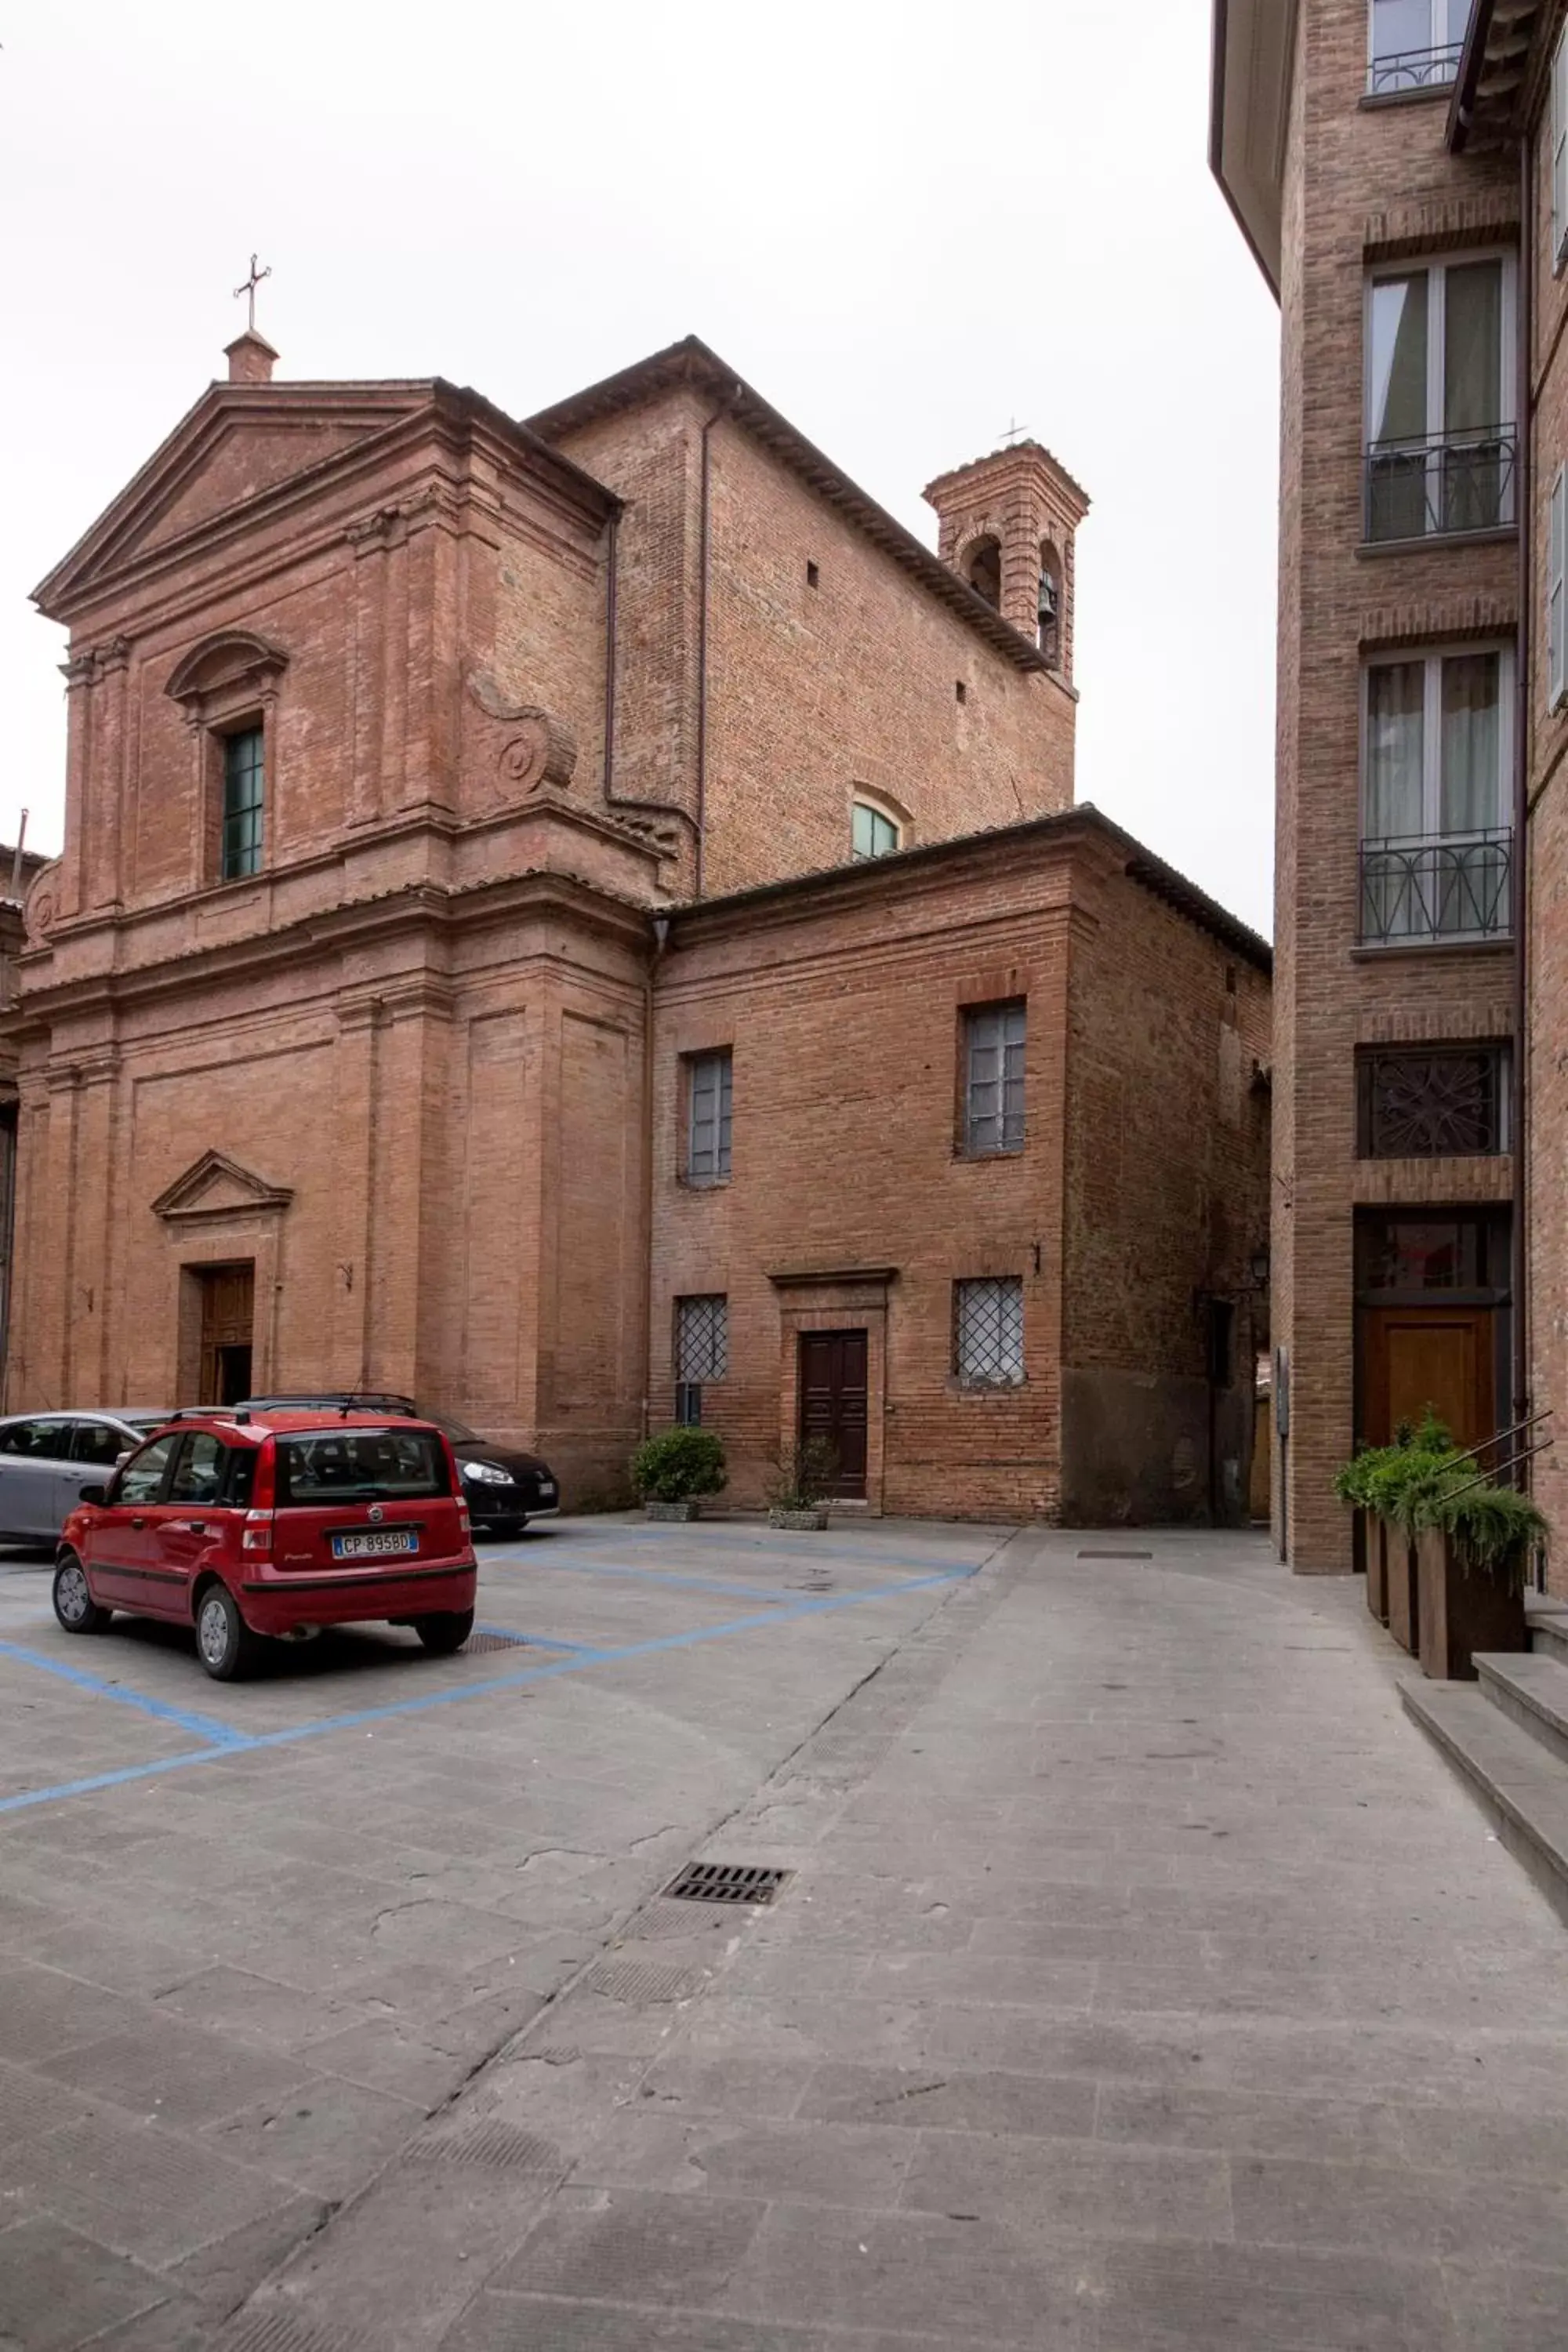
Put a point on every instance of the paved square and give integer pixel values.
(1143, 1978)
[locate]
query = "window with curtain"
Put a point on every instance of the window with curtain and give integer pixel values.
(1415, 44)
(1436, 854)
(1439, 425)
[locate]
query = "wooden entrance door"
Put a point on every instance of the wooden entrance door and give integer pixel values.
(1414, 1357)
(832, 1403)
(228, 1311)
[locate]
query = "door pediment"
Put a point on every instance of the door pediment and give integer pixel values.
(217, 1186)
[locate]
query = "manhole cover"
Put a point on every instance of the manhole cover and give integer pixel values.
(479, 1644)
(726, 1881)
(1116, 1555)
(641, 1982)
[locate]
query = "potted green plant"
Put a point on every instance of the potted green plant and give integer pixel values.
(795, 1497)
(1475, 1545)
(1387, 1484)
(672, 1470)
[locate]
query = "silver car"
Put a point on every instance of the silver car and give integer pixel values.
(47, 1458)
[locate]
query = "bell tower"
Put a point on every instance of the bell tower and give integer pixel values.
(1007, 523)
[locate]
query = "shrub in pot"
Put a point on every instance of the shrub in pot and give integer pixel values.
(672, 1470)
(796, 1497)
(1389, 1485)
(1475, 1545)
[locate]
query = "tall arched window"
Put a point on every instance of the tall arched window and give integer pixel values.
(983, 569)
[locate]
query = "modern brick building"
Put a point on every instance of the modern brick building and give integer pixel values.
(1390, 163)
(585, 920)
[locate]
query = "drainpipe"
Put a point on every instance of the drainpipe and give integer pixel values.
(660, 940)
(1523, 473)
(706, 544)
(611, 586)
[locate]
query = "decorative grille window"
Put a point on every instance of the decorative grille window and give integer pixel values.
(1448, 1102)
(240, 847)
(994, 1079)
(988, 1332)
(708, 1118)
(703, 1337)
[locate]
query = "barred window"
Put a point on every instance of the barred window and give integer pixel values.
(994, 1079)
(988, 1331)
(703, 1337)
(709, 1091)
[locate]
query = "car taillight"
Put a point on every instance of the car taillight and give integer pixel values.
(256, 1535)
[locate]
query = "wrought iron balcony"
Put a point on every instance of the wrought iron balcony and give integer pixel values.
(1415, 69)
(1438, 888)
(1458, 482)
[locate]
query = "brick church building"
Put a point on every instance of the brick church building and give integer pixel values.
(586, 921)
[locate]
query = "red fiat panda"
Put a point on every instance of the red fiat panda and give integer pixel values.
(247, 1524)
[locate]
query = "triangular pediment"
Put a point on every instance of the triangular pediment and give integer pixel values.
(217, 1186)
(242, 448)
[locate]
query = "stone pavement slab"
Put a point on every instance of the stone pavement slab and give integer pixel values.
(1142, 1980)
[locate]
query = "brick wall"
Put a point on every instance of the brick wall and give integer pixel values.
(1166, 1202)
(1360, 183)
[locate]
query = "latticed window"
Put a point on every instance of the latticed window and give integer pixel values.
(703, 1337)
(1450, 1102)
(994, 1079)
(988, 1331)
(239, 850)
(708, 1118)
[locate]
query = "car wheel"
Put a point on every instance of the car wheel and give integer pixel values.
(224, 1643)
(75, 1607)
(442, 1635)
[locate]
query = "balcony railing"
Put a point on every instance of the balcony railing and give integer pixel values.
(1457, 482)
(1440, 888)
(1413, 69)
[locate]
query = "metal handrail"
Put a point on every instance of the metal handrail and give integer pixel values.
(1440, 484)
(1418, 885)
(1414, 68)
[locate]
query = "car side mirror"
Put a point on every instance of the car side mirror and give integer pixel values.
(120, 1459)
(95, 1493)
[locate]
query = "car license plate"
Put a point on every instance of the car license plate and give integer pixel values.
(546, 1492)
(377, 1543)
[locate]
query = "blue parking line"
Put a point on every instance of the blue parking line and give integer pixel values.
(578, 1567)
(240, 1743)
(203, 1727)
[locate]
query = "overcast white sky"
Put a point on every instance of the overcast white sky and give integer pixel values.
(905, 223)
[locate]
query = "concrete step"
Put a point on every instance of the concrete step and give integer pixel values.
(1548, 1623)
(1532, 1689)
(1520, 1785)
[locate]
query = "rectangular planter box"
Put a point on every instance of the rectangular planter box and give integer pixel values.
(1402, 1591)
(1369, 1544)
(1461, 1612)
(681, 1511)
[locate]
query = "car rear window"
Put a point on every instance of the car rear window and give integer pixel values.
(359, 1465)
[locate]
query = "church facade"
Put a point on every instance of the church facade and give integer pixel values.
(585, 922)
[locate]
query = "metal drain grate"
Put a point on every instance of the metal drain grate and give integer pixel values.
(497, 2145)
(478, 1644)
(1116, 1555)
(726, 1881)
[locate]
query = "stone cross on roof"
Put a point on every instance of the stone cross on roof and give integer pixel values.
(248, 287)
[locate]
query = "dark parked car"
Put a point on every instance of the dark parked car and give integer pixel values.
(45, 1456)
(503, 1487)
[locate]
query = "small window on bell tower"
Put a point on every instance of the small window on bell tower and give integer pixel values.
(1048, 619)
(983, 569)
